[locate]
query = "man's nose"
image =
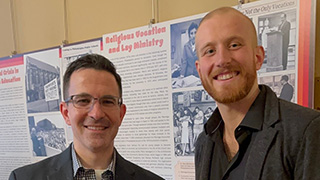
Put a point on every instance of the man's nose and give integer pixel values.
(96, 110)
(223, 56)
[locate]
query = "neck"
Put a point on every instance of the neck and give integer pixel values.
(233, 113)
(94, 159)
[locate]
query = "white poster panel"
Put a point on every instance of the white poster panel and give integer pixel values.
(46, 129)
(277, 30)
(28, 135)
(14, 142)
(72, 52)
(141, 57)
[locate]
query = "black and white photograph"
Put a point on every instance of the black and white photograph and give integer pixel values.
(43, 86)
(183, 54)
(191, 110)
(277, 35)
(47, 134)
(283, 85)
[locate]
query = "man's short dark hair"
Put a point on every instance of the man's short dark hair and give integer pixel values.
(91, 61)
(192, 26)
(285, 78)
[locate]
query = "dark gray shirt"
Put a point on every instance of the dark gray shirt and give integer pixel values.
(245, 134)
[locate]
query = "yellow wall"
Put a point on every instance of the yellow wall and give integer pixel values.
(6, 33)
(40, 24)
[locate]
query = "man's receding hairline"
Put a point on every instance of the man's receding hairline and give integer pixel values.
(219, 11)
(225, 10)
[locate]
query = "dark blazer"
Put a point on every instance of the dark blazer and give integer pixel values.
(60, 167)
(287, 147)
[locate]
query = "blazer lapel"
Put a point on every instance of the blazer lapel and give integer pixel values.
(65, 172)
(264, 138)
(258, 153)
(206, 158)
(123, 169)
(62, 167)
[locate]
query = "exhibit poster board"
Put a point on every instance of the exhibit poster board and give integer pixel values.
(166, 103)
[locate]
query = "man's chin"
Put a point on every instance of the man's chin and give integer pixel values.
(228, 96)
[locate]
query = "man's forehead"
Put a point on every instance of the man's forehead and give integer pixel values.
(226, 22)
(221, 25)
(223, 16)
(221, 11)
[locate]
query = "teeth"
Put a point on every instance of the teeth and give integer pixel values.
(226, 76)
(95, 128)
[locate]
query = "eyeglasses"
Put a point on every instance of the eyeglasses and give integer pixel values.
(86, 101)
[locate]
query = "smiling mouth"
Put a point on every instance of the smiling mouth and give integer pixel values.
(96, 128)
(226, 76)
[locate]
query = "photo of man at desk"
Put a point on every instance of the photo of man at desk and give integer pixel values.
(94, 109)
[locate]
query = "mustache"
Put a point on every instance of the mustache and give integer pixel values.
(225, 69)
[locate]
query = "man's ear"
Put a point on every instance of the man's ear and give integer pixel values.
(123, 110)
(65, 112)
(260, 54)
(198, 66)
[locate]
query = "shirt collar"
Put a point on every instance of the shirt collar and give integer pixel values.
(214, 122)
(77, 164)
(253, 119)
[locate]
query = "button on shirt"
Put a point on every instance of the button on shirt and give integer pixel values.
(245, 134)
(80, 173)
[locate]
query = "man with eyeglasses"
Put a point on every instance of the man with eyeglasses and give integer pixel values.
(93, 108)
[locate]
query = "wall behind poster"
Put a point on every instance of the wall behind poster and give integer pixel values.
(159, 129)
(33, 25)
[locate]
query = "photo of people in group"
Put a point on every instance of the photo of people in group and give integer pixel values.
(191, 110)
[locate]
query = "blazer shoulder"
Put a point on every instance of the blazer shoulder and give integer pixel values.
(125, 169)
(41, 169)
(294, 112)
(32, 171)
(296, 120)
(286, 113)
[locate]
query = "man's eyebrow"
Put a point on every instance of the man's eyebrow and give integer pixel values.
(205, 46)
(83, 94)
